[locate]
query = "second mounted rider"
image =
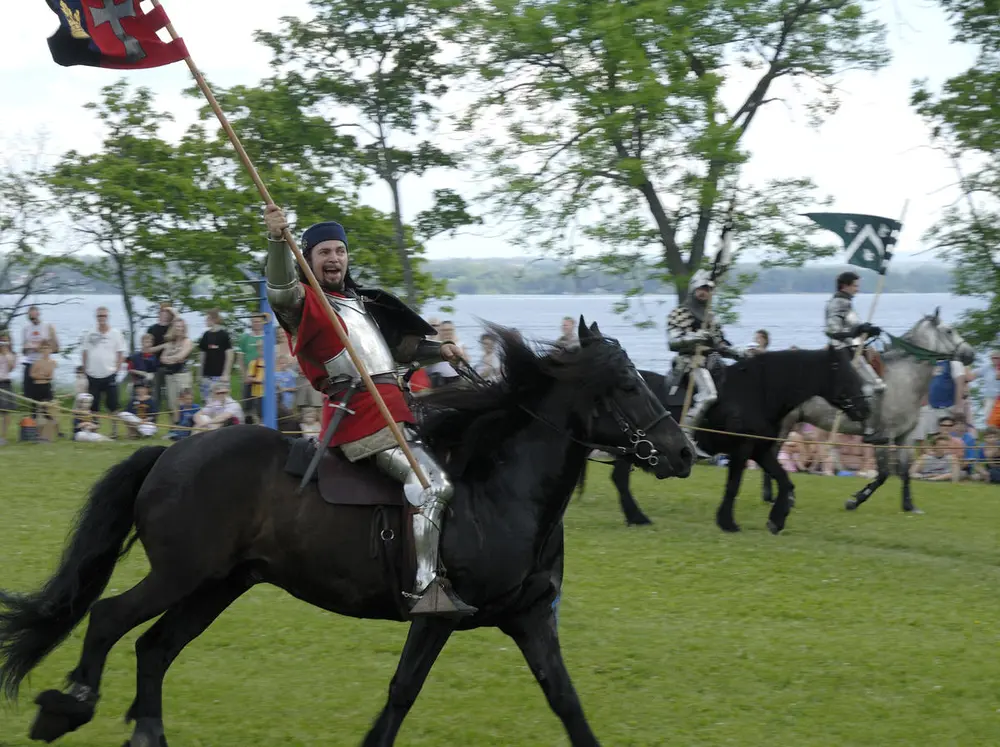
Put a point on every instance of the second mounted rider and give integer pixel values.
(845, 329)
(384, 333)
(693, 334)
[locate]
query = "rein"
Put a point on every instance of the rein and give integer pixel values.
(636, 436)
(915, 351)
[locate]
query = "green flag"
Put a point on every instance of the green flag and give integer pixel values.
(868, 238)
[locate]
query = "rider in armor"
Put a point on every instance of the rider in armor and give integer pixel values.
(844, 328)
(385, 333)
(687, 331)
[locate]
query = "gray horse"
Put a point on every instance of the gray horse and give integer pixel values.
(907, 376)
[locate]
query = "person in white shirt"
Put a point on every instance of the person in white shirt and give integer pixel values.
(34, 333)
(103, 352)
(220, 410)
(8, 404)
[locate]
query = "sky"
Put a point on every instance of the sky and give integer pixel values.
(870, 157)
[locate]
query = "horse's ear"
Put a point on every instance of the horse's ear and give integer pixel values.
(594, 330)
(582, 331)
(937, 315)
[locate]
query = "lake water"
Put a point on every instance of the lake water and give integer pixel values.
(792, 319)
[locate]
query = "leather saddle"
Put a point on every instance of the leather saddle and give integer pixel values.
(340, 482)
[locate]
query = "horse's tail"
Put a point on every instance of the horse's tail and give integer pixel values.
(32, 625)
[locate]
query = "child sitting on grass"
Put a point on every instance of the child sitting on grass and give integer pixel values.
(187, 409)
(84, 423)
(140, 415)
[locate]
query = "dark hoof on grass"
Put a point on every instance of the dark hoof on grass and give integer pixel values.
(850, 504)
(641, 521)
(912, 510)
(728, 526)
(148, 733)
(58, 714)
(773, 527)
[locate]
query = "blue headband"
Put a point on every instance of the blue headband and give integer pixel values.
(320, 232)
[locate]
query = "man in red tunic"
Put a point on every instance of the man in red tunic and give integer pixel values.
(384, 333)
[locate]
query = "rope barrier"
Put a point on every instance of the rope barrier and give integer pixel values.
(53, 405)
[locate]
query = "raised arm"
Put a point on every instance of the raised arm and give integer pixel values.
(284, 291)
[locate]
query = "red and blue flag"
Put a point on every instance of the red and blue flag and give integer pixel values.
(111, 33)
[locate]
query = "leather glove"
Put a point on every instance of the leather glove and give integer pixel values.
(866, 328)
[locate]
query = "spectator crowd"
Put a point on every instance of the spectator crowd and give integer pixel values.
(172, 386)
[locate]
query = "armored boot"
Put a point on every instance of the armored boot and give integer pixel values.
(432, 593)
(691, 421)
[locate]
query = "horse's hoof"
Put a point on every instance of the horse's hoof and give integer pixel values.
(727, 526)
(148, 733)
(911, 509)
(58, 714)
(639, 522)
(773, 527)
(850, 504)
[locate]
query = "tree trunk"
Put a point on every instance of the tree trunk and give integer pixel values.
(127, 300)
(400, 237)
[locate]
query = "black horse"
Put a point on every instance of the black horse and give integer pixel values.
(755, 395)
(217, 513)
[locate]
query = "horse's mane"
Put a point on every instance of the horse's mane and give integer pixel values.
(468, 422)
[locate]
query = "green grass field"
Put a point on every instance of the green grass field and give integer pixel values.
(866, 628)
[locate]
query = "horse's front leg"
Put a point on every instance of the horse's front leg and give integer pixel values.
(535, 634)
(882, 462)
(424, 642)
(737, 464)
(620, 474)
(905, 454)
(770, 465)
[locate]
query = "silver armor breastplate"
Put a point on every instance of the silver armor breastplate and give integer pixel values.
(368, 342)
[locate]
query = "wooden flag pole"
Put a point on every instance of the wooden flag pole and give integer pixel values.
(306, 269)
(871, 316)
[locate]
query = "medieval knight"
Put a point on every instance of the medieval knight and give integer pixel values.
(385, 333)
(690, 334)
(845, 330)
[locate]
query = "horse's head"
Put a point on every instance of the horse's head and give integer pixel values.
(846, 388)
(929, 333)
(627, 415)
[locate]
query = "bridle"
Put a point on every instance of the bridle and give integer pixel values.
(639, 448)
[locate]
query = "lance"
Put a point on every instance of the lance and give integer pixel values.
(719, 266)
(366, 378)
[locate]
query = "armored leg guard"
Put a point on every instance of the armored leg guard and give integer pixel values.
(433, 594)
(704, 397)
(873, 427)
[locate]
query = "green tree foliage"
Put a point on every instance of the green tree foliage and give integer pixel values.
(301, 158)
(965, 121)
(155, 211)
(26, 214)
(614, 124)
(374, 69)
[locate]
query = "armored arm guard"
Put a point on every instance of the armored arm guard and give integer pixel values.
(414, 349)
(284, 291)
(840, 320)
(682, 336)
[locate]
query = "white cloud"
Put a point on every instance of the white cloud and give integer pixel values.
(870, 156)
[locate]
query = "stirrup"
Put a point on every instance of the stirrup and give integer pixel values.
(441, 600)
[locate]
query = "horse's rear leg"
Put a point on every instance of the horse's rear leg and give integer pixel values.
(535, 634)
(620, 474)
(157, 648)
(110, 619)
(424, 642)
